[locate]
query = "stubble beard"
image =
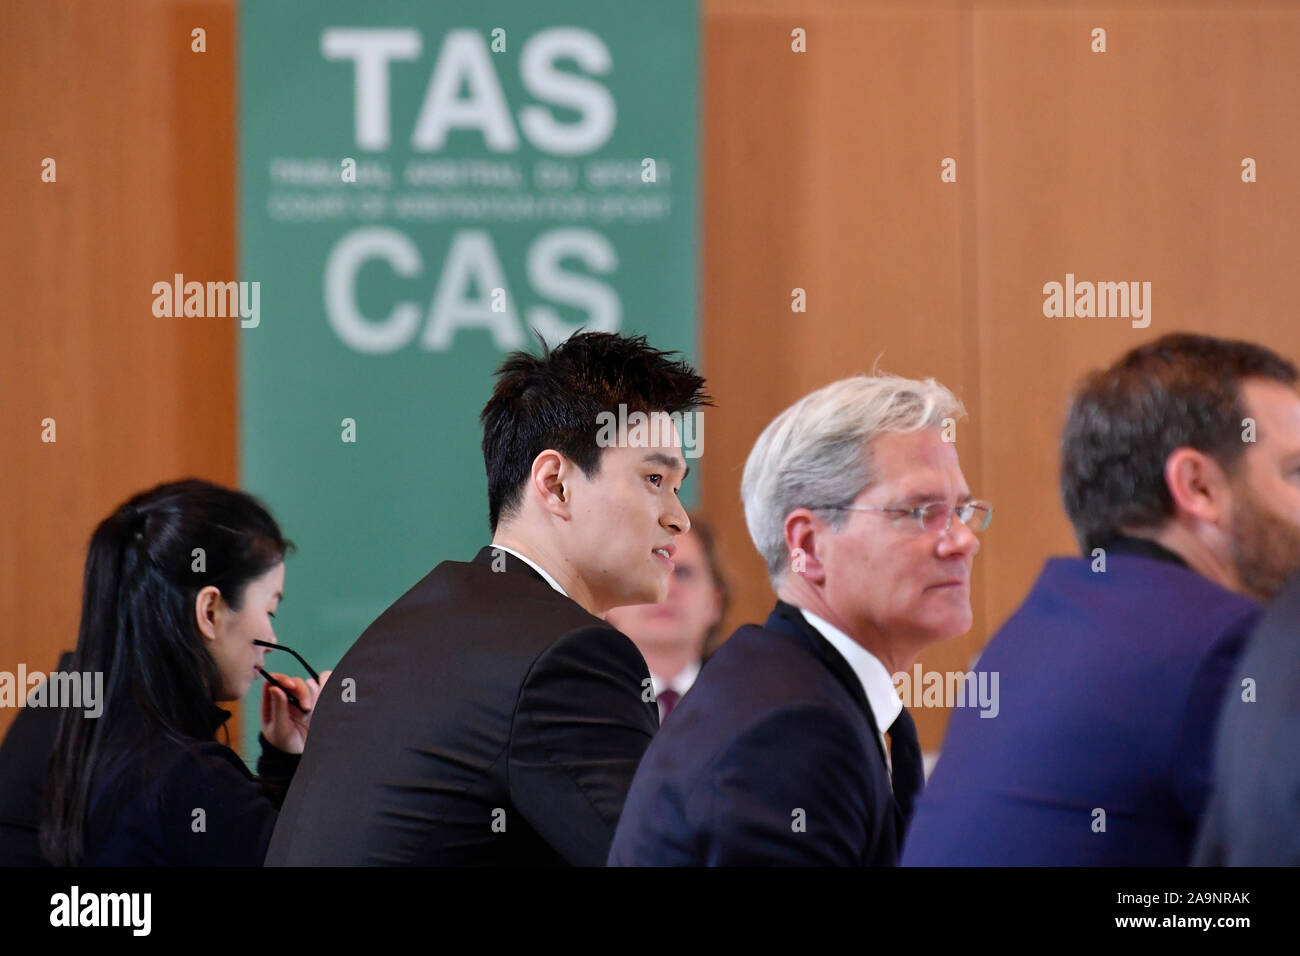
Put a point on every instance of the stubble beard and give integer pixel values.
(1265, 547)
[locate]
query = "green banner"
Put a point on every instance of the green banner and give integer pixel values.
(421, 185)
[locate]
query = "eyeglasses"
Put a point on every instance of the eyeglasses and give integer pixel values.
(271, 680)
(936, 516)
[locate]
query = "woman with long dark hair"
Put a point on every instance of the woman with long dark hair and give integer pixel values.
(179, 583)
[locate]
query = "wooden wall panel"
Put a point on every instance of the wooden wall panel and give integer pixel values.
(142, 131)
(1123, 165)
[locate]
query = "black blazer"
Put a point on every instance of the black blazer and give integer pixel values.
(772, 757)
(495, 722)
(24, 757)
(143, 811)
(1253, 817)
(142, 807)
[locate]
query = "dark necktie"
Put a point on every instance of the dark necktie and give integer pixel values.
(667, 701)
(909, 774)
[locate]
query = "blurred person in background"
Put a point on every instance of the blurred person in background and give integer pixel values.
(180, 581)
(672, 635)
(1180, 472)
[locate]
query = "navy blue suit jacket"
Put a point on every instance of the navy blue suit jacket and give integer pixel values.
(1109, 686)
(772, 757)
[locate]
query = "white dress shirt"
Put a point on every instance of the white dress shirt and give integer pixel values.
(885, 703)
(681, 683)
(534, 565)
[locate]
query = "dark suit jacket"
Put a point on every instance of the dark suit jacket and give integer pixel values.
(495, 723)
(772, 757)
(24, 757)
(143, 809)
(1254, 813)
(1109, 684)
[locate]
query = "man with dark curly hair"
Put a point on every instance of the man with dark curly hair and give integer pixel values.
(1180, 471)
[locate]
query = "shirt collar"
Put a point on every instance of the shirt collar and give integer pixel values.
(885, 703)
(681, 683)
(535, 566)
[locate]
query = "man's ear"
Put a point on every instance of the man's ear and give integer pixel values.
(1198, 486)
(206, 606)
(550, 482)
(803, 537)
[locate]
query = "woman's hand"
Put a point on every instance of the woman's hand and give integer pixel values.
(283, 724)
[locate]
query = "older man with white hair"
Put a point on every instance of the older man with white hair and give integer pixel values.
(793, 746)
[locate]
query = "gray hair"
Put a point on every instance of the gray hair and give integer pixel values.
(817, 452)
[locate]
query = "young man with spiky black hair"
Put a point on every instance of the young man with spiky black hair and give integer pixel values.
(498, 719)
